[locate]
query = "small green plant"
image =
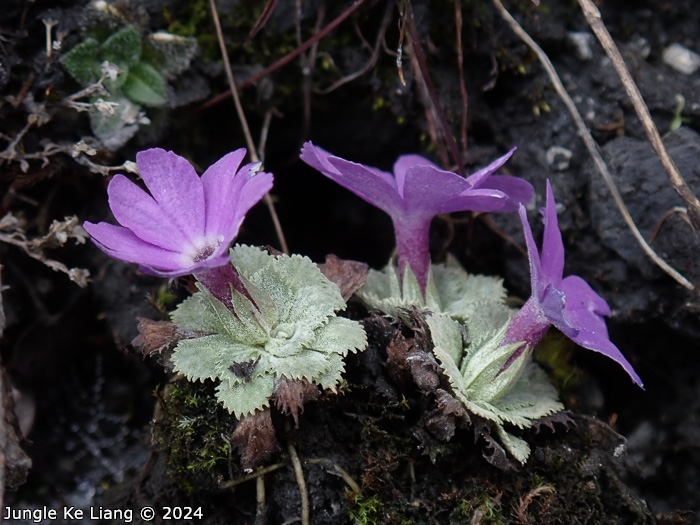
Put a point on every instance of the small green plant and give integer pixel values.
(283, 328)
(366, 511)
(124, 72)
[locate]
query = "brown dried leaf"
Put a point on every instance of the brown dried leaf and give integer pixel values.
(447, 415)
(498, 456)
(254, 438)
(158, 338)
(408, 364)
(397, 352)
(349, 276)
(290, 396)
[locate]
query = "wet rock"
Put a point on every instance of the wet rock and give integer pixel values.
(650, 198)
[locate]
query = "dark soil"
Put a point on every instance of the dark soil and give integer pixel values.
(104, 427)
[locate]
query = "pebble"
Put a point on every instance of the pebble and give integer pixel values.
(558, 158)
(681, 59)
(582, 42)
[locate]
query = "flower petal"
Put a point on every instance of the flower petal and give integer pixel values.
(230, 193)
(214, 261)
(406, 162)
(221, 181)
(254, 187)
(536, 281)
(375, 186)
(477, 178)
(177, 189)
(552, 245)
(552, 303)
(139, 212)
(429, 191)
(585, 309)
(519, 191)
(122, 244)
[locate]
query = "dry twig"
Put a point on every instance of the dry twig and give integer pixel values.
(460, 65)
(303, 492)
(372, 59)
(591, 145)
(430, 88)
(244, 124)
(12, 231)
(290, 56)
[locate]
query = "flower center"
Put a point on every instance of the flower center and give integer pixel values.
(204, 253)
(203, 249)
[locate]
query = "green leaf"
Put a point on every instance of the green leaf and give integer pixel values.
(339, 336)
(290, 331)
(531, 397)
(513, 444)
(79, 62)
(330, 379)
(384, 292)
(169, 54)
(447, 336)
(145, 85)
(484, 369)
(245, 398)
(115, 130)
(517, 394)
(198, 358)
(478, 301)
(122, 48)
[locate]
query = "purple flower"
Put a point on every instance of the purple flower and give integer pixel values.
(416, 192)
(569, 304)
(187, 223)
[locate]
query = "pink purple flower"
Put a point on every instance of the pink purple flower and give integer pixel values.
(187, 223)
(416, 192)
(569, 304)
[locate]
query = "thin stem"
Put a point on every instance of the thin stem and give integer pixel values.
(257, 474)
(292, 55)
(234, 92)
(244, 123)
(260, 496)
(594, 20)
(372, 60)
(423, 67)
(460, 65)
(303, 491)
(591, 145)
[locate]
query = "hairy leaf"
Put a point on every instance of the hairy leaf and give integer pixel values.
(144, 85)
(122, 48)
(79, 61)
(494, 382)
(169, 54)
(288, 331)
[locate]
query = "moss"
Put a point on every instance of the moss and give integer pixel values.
(479, 504)
(192, 429)
(187, 22)
(365, 511)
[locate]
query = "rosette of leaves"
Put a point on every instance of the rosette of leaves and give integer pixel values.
(476, 301)
(494, 381)
(467, 317)
(139, 70)
(284, 328)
